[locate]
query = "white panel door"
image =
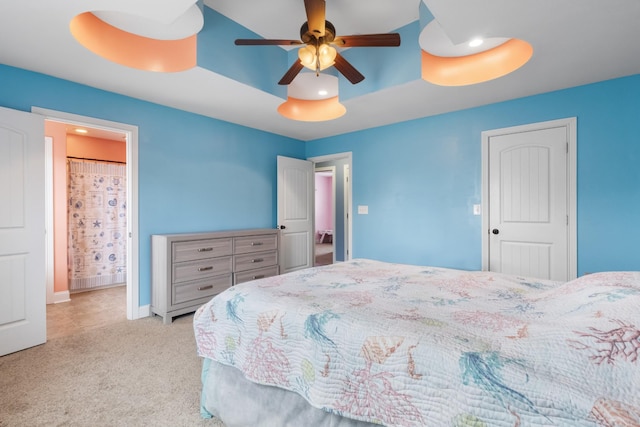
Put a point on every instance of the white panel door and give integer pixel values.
(295, 213)
(528, 209)
(22, 232)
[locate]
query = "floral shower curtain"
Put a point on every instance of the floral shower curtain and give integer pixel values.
(97, 221)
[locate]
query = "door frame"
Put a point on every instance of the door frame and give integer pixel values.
(348, 236)
(48, 207)
(133, 284)
(347, 208)
(570, 124)
(331, 169)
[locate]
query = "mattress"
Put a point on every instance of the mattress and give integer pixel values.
(403, 345)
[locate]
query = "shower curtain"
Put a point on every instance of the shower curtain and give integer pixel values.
(97, 224)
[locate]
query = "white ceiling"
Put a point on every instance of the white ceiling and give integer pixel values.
(575, 42)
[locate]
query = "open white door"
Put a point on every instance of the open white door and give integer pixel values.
(22, 232)
(295, 213)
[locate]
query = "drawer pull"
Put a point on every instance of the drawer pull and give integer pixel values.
(259, 276)
(204, 288)
(205, 249)
(256, 243)
(257, 260)
(205, 268)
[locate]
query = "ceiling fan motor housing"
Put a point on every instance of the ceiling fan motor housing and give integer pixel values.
(309, 37)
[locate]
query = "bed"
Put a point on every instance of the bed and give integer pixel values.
(365, 343)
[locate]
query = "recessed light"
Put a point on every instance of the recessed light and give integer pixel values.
(78, 130)
(322, 92)
(475, 42)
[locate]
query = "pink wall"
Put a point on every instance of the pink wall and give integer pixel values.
(324, 203)
(57, 131)
(96, 148)
(79, 146)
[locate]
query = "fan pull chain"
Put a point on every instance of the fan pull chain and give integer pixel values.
(317, 58)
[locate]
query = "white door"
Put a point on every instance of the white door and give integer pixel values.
(22, 232)
(295, 213)
(528, 226)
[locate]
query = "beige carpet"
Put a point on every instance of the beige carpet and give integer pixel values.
(130, 373)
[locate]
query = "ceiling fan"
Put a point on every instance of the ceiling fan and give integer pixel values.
(319, 36)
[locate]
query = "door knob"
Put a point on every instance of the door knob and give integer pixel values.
(495, 231)
(282, 227)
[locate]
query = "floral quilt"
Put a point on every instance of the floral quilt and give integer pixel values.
(403, 345)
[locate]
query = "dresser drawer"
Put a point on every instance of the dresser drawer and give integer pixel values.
(188, 269)
(190, 291)
(255, 260)
(200, 249)
(256, 274)
(247, 244)
(192, 270)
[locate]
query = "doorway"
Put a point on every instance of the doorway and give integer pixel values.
(130, 134)
(529, 200)
(341, 238)
(325, 214)
(96, 208)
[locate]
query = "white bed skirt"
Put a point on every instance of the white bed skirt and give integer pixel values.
(238, 402)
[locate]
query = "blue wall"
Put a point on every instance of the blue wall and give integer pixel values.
(194, 173)
(421, 178)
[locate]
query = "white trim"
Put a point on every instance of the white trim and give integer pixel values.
(572, 140)
(48, 207)
(59, 297)
(133, 248)
(339, 156)
(144, 311)
(347, 209)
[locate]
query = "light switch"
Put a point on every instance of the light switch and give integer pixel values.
(363, 210)
(477, 209)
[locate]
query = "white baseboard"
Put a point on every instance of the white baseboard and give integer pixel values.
(59, 297)
(144, 311)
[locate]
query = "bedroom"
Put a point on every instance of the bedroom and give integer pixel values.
(418, 203)
(419, 207)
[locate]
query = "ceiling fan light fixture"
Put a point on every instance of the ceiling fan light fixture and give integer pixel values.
(317, 34)
(307, 56)
(317, 60)
(326, 56)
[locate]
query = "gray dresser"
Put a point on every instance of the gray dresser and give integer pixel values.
(188, 269)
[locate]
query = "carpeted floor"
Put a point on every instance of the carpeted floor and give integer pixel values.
(129, 373)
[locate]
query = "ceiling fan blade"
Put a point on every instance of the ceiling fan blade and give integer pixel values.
(262, 42)
(291, 73)
(347, 69)
(315, 16)
(364, 40)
